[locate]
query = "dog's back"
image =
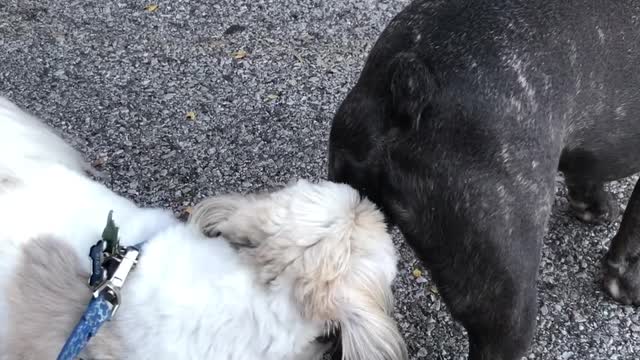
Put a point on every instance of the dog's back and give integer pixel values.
(26, 144)
(518, 87)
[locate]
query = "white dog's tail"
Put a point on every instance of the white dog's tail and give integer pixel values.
(26, 144)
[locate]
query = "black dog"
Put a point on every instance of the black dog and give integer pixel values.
(457, 126)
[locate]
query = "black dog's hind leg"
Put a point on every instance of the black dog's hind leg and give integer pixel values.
(584, 178)
(590, 202)
(622, 263)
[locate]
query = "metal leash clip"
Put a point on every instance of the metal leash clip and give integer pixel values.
(111, 264)
(124, 262)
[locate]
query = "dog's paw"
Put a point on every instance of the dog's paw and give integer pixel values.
(622, 279)
(210, 214)
(600, 212)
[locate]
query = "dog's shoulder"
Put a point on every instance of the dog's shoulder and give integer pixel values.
(49, 282)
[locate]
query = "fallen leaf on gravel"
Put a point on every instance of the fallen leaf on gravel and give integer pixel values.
(272, 97)
(188, 210)
(434, 289)
(99, 161)
(191, 115)
(417, 273)
(240, 54)
(151, 7)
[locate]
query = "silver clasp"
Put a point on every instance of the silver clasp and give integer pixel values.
(110, 288)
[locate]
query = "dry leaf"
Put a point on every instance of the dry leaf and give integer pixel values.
(272, 97)
(151, 7)
(240, 54)
(417, 273)
(99, 161)
(191, 115)
(434, 289)
(188, 210)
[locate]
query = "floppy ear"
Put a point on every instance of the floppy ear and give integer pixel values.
(366, 327)
(361, 298)
(412, 87)
(360, 306)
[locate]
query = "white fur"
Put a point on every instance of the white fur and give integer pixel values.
(193, 296)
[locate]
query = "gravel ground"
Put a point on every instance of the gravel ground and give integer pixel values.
(263, 78)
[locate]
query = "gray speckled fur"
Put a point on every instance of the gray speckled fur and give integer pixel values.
(46, 298)
(463, 114)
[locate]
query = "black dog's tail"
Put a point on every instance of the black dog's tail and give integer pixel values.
(412, 86)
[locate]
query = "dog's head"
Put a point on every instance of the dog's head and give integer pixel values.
(325, 246)
(380, 123)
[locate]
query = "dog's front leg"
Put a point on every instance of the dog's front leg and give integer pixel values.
(494, 300)
(622, 262)
(483, 252)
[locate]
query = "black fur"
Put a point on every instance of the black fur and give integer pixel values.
(460, 120)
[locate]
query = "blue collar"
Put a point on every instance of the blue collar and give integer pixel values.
(111, 264)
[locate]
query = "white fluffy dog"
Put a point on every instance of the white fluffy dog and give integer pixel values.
(247, 277)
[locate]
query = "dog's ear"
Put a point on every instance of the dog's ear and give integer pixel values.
(412, 87)
(360, 304)
(364, 296)
(366, 327)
